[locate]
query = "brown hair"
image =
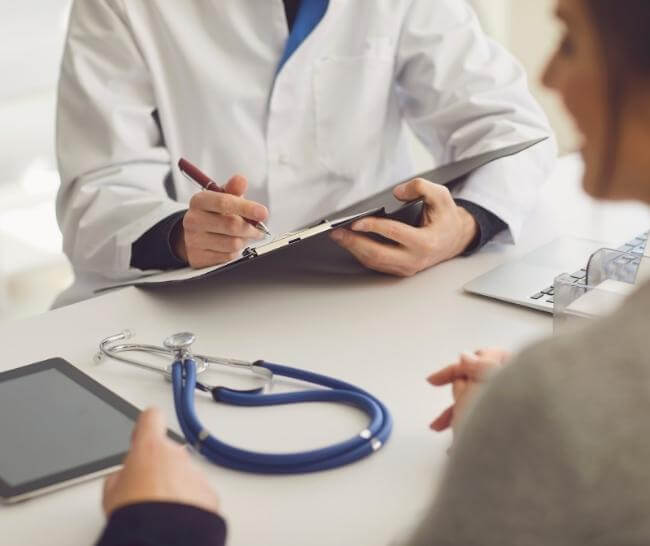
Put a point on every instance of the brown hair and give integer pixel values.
(624, 30)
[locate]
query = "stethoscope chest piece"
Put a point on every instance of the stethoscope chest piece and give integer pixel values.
(182, 341)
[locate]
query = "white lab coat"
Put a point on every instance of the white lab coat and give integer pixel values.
(325, 131)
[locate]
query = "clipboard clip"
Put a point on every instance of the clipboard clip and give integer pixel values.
(286, 239)
(293, 237)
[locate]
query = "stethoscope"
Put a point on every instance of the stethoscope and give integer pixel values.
(183, 373)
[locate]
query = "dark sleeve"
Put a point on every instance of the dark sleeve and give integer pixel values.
(163, 524)
(488, 225)
(153, 250)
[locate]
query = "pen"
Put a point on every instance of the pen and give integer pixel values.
(195, 174)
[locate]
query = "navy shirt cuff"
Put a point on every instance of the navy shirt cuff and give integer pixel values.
(163, 524)
(488, 225)
(153, 250)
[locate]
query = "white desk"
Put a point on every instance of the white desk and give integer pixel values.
(383, 334)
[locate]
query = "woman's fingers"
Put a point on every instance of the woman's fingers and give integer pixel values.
(443, 421)
(474, 369)
(459, 389)
(494, 354)
(446, 375)
(468, 367)
(464, 375)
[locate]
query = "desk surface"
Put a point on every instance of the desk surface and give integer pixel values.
(384, 334)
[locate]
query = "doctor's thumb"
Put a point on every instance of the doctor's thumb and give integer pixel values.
(237, 185)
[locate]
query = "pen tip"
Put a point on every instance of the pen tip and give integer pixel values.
(262, 227)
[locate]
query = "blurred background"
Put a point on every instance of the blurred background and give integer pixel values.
(32, 267)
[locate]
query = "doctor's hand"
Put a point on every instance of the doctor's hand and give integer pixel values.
(466, 378)
(213, 230)
(157, 469)
(445, 232)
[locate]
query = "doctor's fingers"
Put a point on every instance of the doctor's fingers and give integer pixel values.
(237, 185)
(436, 196)
(395, 231)
(225, 203)
(216, 242)
(385, 258)
(196, 221)
(199, 258)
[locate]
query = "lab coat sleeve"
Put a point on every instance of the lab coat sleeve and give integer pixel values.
(463, 94)
(111, 158)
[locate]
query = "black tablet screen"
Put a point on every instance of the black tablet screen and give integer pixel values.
(51, 422)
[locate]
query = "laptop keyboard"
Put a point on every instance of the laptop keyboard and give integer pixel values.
(635, 246)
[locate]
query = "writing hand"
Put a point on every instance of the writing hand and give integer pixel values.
(213, 230)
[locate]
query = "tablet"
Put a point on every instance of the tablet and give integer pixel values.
(58, 427)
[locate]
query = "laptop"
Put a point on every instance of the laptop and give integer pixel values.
(528, 281)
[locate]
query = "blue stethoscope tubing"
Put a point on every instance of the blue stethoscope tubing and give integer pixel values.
(367, 442)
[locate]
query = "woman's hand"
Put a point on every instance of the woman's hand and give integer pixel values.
(214, 229)
(446, 231)
(465, 377)
(157, 469)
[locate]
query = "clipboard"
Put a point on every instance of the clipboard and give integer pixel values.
(382, 204)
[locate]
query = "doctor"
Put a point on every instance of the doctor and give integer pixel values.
(300, 109)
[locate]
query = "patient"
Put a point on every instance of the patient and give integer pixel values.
(556, 449)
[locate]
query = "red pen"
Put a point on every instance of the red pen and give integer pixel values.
(203, 180)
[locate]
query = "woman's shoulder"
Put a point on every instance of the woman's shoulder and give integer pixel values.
(579, 384)
(611, 346)
(566, 419)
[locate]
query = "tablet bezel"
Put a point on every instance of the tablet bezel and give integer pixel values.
(87, 471)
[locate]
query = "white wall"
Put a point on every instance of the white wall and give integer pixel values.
(528, 28)
(31, 43)
(32, 266)
(31, 33)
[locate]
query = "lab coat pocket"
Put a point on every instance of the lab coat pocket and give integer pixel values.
(351, 97)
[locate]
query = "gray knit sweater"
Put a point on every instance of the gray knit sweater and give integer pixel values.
(556, 450)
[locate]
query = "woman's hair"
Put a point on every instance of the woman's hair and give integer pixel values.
(623, 27)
